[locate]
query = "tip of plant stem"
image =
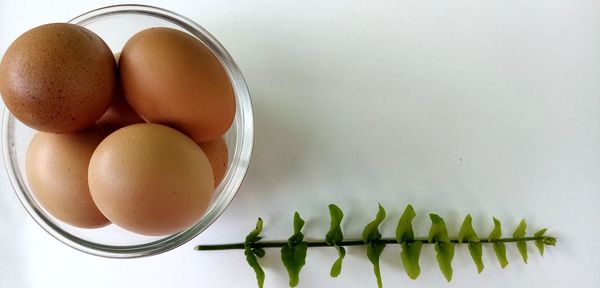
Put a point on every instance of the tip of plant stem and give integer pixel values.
(550, 241)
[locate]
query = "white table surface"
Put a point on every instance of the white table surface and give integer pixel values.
(483, 107)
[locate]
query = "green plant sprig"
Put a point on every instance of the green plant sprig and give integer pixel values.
(293, 251)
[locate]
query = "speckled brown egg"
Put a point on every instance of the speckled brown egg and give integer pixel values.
(217, 154)
(57, 169)
(150, 179)
(170, 77)
(58, 78)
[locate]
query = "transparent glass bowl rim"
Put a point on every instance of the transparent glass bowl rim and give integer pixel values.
(231, 183)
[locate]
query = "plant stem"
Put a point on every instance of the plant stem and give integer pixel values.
(276, 244)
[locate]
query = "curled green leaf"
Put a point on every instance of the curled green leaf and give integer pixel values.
(335, 235)
(444, 254)
(438, 232)
(410, 258)
(374, 251)
(254, 235)
(540, 243)
(298, 223)
(371, 231)
(467, 233)
(370, 237)
(336, 268)
(293, 255)
(404, 230)
(298, 237)
(476, 251)
(499, 247)
(518, 234)
(253, 262)
(251, 252)
(410, 250)
(497, 231)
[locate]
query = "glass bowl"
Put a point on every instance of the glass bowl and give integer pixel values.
(116, 24)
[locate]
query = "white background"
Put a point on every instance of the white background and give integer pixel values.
(483, 107)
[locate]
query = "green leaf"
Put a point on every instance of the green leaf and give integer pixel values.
(254, 235)
(298, 236)
(251, 252)
(522, 247)
(438, 232)
(497, 231)
(336, 268)
(371, 231)
(370, 236)
(374, 251)
(253, 262)
(445, 253)
(293, 259)
(298, 223)
(410, 250)
(518, 234)
(443, 247)
(476, 251)
(410, 258)
(520, 231)
(540, 233)
(540, 243)
(500, 250)
(499, 247)
(404, 230)
(467, 233)
(335, 235)
(293, 255)
(258, 252)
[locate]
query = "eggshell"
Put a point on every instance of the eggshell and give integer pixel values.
(119, 113)
(170, 77)
(217, 154)
(57, 169)
(150, 179)
(58, 78)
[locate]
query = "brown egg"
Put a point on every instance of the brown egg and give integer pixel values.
(150, 179)
(57, 169)
(217, 154)
(120, 113)
(58, 78)
(170, 77)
